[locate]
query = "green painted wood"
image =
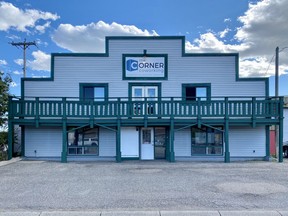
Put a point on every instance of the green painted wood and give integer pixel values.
(267, 131)
(254, 109)
(118, 141)
(281, 117)
(226, 138)
(64, 143)
(172, 153)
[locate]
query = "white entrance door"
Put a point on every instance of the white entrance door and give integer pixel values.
(139, 93)
(147, 144)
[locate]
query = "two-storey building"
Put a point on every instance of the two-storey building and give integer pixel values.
(145, 98)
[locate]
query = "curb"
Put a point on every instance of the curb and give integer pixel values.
(146, 213)
(13, 160)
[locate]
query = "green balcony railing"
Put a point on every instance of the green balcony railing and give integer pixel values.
(216, 107)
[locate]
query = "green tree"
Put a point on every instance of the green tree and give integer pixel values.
(5, 82)
(4, 98)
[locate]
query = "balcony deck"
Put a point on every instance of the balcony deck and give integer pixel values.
(255, 110)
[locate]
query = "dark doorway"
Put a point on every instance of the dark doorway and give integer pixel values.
(160, 143)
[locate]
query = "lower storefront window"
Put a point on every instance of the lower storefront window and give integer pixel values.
(207, 141)
(84, 141)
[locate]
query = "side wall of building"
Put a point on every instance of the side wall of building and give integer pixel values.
(43, 142)
(247, 142)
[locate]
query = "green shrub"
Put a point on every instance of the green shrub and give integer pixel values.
(3, 145)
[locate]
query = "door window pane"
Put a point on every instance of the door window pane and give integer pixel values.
(146, 136)
(151, 92)
(88, 93)
(160, 143)
(99, 94)
(201, 92)
(138, 92)
(190, 93)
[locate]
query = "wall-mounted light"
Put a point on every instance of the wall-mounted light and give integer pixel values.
(144, 55)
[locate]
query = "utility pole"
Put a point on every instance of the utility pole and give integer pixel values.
(24, 45)
(277, 72)
(276, 98)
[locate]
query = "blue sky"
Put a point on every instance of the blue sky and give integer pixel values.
(251, 28)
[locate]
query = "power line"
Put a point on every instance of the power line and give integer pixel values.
(269, 64)
(24, 45)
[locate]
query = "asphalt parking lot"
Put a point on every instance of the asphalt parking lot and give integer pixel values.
(144, 186)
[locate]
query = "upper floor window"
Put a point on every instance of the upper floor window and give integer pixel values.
(190, 92)
(96, 92)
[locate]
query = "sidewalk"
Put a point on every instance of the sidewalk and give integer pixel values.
(144, 213)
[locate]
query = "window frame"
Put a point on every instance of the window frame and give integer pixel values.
(144, 84)
(103, 85)
(196, 85)
(216, 130)
(79, 149)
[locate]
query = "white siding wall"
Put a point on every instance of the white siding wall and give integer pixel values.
(129, 142)
(107, 142)
(245, 140)
(47, 141)
(70, 71)
(182, 142)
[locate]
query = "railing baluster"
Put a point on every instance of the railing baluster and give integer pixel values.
(232, 107)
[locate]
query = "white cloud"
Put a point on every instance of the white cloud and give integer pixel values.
(19, 61)
(223, 33)
(14, 18)
(3, 62)
(41, 61)
(13, 37)
(42, 28)
(227, 20)
(91, 37)
(258, 67)
(39, 42)
(264, 26)
(209, 42)
(16, 72)
(13, 84)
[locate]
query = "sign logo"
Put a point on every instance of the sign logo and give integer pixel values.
(152, 67)
(131, 65)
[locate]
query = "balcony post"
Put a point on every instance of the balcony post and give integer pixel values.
(267, 129)
(64, 142)
(64, 108)
(253, 112)
(198, 112)
(280, 140)
(226, 138)
(172, 153)
(118, 141)
(37, 112)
